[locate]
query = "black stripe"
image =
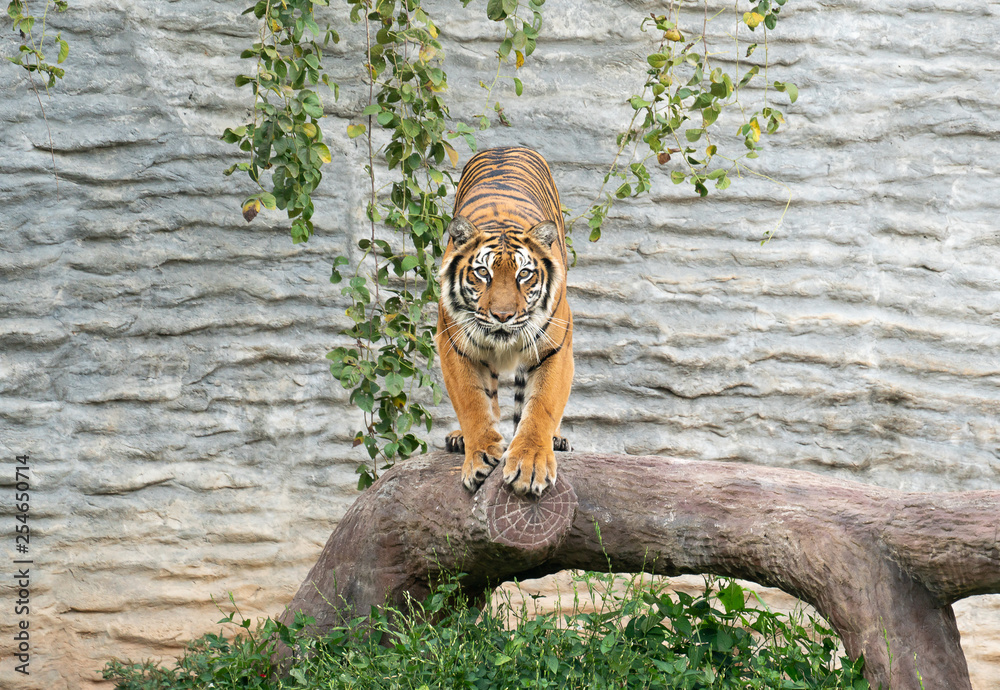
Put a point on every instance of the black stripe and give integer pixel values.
(542, 360)
(551, 352)
(456, 348)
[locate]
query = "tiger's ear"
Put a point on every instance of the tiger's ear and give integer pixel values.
(545, 232)
(461, 230)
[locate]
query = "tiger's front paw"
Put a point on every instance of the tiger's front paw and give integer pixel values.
(529, 466)
(478, 465)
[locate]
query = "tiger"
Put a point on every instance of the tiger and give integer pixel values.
(503, 308)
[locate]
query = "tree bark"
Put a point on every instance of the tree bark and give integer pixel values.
(882, 566)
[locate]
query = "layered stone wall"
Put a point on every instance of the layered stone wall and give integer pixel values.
(163, 363)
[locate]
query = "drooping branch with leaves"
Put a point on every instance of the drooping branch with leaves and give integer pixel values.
(32, 29)
(676, 121)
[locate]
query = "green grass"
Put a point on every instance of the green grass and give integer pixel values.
(643, 637)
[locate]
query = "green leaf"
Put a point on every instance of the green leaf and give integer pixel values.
(354, 131)
(363, 399)
(501, 659)
(63, 50)
(693, 134)
(518, 87)
(657, 60)
(494, 10)
(410, 128)
(732, 597)
(373, 109)
(394, 383)
(311, 105)
(409, 262)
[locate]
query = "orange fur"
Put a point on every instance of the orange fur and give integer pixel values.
(503, 307)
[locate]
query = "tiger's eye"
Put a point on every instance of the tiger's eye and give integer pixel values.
(482, 273)
(524, 273)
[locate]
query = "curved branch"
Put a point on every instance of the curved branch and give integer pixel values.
(882, 566)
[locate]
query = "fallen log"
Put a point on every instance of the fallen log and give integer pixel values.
(882, 566)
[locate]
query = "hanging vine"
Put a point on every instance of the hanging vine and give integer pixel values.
(683, 97)
(393, 287)
(284, 137)
(31, 53)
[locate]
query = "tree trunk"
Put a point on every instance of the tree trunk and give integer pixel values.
(883, 567)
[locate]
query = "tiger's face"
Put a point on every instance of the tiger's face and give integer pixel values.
(497, 286)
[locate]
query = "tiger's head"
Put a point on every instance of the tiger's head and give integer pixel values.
(499, 286)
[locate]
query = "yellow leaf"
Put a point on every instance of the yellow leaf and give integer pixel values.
(432, 30)
(250, 209)
(755, 128)
(427, 53)
(452, 153)
(752, 19)
(309, 129)
(519, 61)
(673, 35)
(355, 130)
(324, 152)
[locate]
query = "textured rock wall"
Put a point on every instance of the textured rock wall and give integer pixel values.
(163, 363)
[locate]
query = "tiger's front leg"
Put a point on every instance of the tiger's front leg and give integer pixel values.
(472, 387)
(530, 463)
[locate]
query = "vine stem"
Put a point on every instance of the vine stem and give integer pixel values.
(48, 130)
(34, 87)
(369, 421)
(496, 77)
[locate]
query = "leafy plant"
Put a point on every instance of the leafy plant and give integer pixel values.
(683, 97)
(642, 637)
(31, 56)
(284, 136)
(393, 286)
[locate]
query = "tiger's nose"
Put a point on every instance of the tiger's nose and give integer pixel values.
(501, 316)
